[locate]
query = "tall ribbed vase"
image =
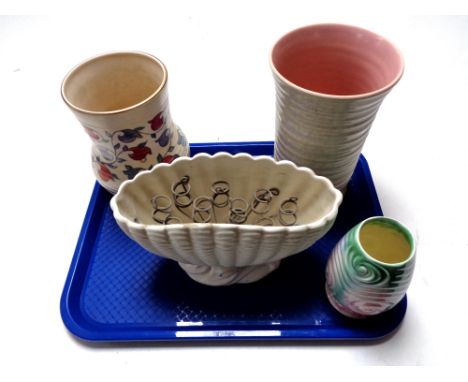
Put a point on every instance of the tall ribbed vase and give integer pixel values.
(330, 81)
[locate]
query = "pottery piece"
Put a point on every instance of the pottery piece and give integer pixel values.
(121, 100)
(224, 253)
(330, 81)
(370, 268)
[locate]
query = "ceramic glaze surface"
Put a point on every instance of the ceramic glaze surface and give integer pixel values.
(121, 100)
(221, 254)
(330, 82)
(337, 60)
(357, 284)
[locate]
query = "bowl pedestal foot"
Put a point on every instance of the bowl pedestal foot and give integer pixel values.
(218, 276)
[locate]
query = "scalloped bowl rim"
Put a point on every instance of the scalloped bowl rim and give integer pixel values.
(323, 221)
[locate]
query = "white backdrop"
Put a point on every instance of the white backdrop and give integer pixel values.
(221, 89)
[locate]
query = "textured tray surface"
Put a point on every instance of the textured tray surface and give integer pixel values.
(117, 291)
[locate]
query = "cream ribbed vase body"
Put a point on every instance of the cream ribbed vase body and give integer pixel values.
(321, 132)
(330, 81)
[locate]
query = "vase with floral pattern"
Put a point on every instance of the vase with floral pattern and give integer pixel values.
(121, 99)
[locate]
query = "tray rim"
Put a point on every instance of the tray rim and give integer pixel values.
(83, 329)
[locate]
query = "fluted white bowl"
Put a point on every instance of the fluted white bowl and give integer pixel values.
(221, 253)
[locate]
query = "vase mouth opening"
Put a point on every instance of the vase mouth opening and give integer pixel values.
(337, 60)
(386, 241)
(112, 83)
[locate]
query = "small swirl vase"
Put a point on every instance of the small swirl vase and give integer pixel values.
(121, 99)
(357, 284)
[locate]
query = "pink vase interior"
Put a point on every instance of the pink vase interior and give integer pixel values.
(337, 60)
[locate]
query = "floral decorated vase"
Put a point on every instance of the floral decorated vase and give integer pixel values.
(121, 100)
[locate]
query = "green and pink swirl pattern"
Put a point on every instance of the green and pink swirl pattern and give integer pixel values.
(359, 286)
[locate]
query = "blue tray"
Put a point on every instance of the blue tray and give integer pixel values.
(117, 291)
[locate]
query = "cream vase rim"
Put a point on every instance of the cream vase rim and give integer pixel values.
(108, 54)
(373, 259)
(337, 96)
